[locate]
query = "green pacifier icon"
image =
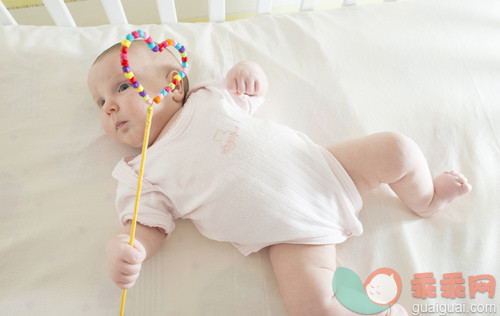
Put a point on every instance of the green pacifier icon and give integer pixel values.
(378, 293)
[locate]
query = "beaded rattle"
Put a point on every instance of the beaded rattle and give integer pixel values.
(142, 92)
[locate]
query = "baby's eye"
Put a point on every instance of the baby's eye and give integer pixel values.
(123, 87)
(100, 103)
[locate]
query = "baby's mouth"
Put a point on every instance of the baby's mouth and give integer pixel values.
(120, 124)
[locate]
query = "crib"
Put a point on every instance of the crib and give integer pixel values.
(337, 70)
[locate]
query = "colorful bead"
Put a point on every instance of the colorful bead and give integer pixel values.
(126, 43)
(129, 38)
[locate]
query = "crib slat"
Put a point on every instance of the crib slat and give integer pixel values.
(114, 11)
(167, 10)
(348, 3)
(217, 10)
(5, 16)
(306, 5)
(264, 6)
(59, 12)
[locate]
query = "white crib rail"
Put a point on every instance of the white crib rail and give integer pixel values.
(216, 10)
(114, 11)
(166, 8)
(264, 7)
(5, 16)
(59, 12)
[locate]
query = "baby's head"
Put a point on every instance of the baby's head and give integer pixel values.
(123, 112)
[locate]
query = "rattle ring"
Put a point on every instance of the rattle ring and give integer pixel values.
(139, 34)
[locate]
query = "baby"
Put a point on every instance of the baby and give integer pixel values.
(248, 181)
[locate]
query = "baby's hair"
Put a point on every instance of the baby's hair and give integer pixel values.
(173, 62)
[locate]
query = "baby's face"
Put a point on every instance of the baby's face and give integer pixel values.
(123, 112)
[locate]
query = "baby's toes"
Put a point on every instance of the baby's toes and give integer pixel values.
(462, 180)
(458, 176)
(466, 187)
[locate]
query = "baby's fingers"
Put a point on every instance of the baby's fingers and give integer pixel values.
(242, 86)
(124, 274)
(133, 255)
(250, 85)
(128, 276)
(234, 86)
(130, 269)
(126, 281)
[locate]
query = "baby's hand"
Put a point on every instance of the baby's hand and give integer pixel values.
(124, 261)
(247, 77)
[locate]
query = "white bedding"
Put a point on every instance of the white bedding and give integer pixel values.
(428, 69)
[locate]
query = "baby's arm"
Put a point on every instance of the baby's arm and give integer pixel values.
(124, 262)
(247, 77)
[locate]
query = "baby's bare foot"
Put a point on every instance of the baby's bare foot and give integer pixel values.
(447, 187)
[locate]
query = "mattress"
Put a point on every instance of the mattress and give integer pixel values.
(427, 69)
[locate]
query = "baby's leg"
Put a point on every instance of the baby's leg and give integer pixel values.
(305, 275)
(396, 160)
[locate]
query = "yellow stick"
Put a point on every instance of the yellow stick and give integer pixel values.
(138, 192)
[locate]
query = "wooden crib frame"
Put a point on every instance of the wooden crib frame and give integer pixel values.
(166, 8)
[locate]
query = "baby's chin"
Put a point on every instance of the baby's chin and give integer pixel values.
(129, 142)
(132, 138)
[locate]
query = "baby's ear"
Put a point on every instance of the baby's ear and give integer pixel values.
(178, 93)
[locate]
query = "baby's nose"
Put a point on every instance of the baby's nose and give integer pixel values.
(111, 107)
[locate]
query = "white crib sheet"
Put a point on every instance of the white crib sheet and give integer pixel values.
(428, 69)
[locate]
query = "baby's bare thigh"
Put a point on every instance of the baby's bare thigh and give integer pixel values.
(369, 159)
(304, 274)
